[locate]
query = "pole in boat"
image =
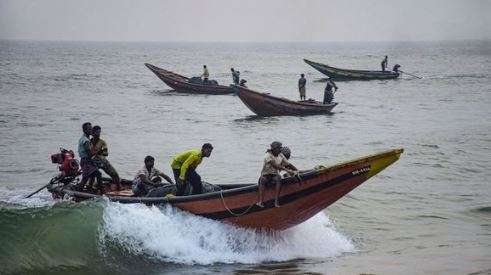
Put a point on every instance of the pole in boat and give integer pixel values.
(410, 74)
(30, 195)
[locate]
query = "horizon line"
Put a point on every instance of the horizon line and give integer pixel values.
(247, 41)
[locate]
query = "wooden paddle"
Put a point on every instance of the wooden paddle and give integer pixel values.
(30, 195)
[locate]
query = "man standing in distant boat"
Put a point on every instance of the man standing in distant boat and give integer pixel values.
(301, 86)
(100, 153)
(235, 76)
(274, 162)
(184, 167)
(205, 74)
(328, 93)
(384, 63)
(89, 170)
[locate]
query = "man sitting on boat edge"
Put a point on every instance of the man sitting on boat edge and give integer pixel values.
(184, 168)
(148, 181)
(274, 162)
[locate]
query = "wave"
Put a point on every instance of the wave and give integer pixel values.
(105, 236)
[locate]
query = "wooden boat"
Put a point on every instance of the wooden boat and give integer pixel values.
(301, 196)
(345, 74)
(264, 104)
(181, 83)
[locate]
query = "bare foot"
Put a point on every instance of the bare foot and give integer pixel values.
(276, 203)
(260, 204)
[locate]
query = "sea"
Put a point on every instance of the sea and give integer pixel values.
(428, 213)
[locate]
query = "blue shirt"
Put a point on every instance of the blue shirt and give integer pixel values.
(83, 144)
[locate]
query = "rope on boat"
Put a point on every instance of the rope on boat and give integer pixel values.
(297, 176)
(232, 212)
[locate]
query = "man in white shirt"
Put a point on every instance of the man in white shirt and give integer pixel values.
(148, 178)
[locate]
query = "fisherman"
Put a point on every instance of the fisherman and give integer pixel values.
(242, 83)
(301, 86)
(100, 153)
(384, 63)
(396, 68)
(235, 76)
(89, 170)
(328, 93)
(148, 180)
(184, 167)
(205, 74)
(274, 162)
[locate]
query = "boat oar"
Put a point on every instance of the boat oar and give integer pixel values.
(30, 195)
(410, 74)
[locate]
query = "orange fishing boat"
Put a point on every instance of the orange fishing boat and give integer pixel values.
(182, 84)
(301, 196)
(264, 104)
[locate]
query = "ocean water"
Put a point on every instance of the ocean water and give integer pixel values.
(429, 213)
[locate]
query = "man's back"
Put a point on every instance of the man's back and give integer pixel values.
(301, 82)
(179, 159)
(83, 146)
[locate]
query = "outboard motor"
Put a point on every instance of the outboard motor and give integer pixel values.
(67, 164)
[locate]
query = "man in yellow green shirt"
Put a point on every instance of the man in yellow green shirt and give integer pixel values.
(184, 167)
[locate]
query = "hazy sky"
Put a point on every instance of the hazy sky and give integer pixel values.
(245, 20)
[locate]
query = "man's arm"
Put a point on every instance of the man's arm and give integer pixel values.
(167, 178)
(287, 166)
(104, 151)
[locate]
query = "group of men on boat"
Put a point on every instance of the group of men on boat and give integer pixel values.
(330, 85)
(328, 90)
(235, 76)
(93, 153)
(385, 63)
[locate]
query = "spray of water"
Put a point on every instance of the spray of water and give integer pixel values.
(169, 234)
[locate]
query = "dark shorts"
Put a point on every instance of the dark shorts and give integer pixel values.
(192, 178)
(271, 179)
(88, 167)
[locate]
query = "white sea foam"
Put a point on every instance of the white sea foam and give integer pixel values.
(176, 236)
(41, 199)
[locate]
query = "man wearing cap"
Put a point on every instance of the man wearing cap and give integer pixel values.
(274, 162)
(184, 167)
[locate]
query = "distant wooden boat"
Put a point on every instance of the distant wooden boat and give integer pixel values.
(345, 74)
(181, 83)
(264, 104)
(301, 196)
